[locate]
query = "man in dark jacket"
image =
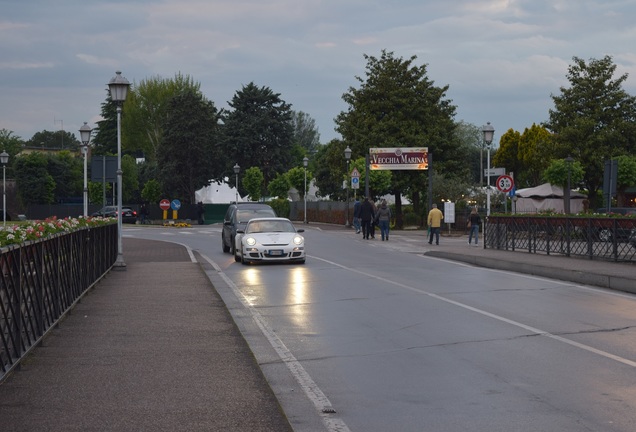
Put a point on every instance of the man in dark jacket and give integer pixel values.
(366, 216)
(356, 215)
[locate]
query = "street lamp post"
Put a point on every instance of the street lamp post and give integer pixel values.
(237, 170)
(85, 136)
(347, 154)
(488, 132)
(305, 162)
(566, 194)
(118, 87)
(4, 159)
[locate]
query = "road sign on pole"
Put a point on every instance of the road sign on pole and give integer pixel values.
(505, 183)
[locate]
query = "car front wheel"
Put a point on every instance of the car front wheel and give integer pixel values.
(605, 235)
(226, 248)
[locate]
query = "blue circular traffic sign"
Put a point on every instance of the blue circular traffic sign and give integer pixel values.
(175, 204)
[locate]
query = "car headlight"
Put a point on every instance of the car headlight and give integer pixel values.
(298, 240)
(251, 241)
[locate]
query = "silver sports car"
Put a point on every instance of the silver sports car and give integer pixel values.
(269, 239)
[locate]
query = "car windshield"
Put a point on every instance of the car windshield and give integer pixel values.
(269, 226)
(244, 216)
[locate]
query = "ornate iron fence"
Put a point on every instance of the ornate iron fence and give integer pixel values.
(41, 281)
(612, 239)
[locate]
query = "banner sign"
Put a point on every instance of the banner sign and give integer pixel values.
(398, 158)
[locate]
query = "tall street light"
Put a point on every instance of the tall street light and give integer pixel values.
(237, 170)
(4, 159)
(347, 154)
(118, 87)
(488, 132)
(566, 195)
(85, 136)
(305, 162)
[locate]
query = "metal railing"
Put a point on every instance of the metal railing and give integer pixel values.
(42, 280)
(611, 239)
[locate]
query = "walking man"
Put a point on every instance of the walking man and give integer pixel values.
(435, 218)
(366, 216)
(356, 215)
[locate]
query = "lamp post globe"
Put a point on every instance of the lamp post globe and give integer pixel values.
(4, 160)
(237, 170)
(347, 154)
(305, 163)
(85, 137)
(118, 88)
(488, 131)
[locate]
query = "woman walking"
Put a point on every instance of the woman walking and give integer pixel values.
(383, 217)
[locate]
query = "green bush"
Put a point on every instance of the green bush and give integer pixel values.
(281, 207)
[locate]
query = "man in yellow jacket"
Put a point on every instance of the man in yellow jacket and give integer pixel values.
(435, 218)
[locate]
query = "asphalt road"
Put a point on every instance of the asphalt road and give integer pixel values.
(385, 338)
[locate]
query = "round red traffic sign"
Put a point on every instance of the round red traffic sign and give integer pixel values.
(164, 204)
(505, 183)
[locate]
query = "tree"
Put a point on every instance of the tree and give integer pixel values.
(594, 119)
(146, 112)
(626, 177)
(296, 178)
(96, 192)
(130, 179)
(471, 139)
(105, 136)
(258, 132)
(151, 192)
(34, 183)
(253, 183)
(398, 106)
(330, 169)
(67, 172)
(557, 173)
(54, 140)
(305, 133)
(507, 156)
(279, 187)
(534, 153)
(10, 143)
(188, 154)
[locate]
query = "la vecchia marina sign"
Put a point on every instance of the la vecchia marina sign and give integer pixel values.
(398, 158)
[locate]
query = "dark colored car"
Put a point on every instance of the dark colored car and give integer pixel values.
(237, 216)
(128, 215)
(622, 234)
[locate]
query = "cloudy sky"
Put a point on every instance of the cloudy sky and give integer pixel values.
(501, 58)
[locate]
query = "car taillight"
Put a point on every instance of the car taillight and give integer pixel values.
(134, 213)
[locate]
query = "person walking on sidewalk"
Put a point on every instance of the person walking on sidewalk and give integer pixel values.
(366, 216)
(375, 214)
(435, 218)
(473, 226)
(356, 215)
(383, 216)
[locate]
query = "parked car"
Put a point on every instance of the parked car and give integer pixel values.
(237, 216)
(269, 240)
(128, 215)
(623, 235)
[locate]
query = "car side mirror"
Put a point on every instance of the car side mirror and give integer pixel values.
(300, 230)
(240, 231)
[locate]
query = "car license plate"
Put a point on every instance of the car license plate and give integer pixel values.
(275, 252)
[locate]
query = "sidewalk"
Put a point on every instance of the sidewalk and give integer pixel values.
(117, 364)
(152, 348)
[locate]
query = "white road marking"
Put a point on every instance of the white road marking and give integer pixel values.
(488, 314)
(311, 389)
